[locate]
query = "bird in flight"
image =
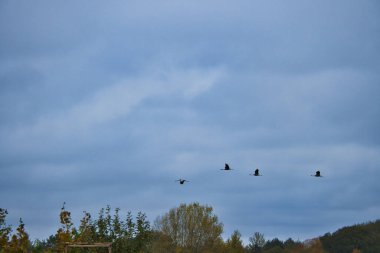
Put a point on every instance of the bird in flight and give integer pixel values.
(226, 167)
(182, 181)
(257, 173)
(317, 174)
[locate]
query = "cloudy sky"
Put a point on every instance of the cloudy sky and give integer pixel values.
(109, 102)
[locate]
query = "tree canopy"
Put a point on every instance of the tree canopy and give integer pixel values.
(191, 227)
(188, 228)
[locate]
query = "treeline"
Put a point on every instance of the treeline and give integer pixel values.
(363, 237)
(191, 228)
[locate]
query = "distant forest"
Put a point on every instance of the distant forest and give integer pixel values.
(189, 228)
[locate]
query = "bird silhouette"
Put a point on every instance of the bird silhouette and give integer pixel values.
(257, 173)
(317, 174)
(226, 167)
(182, 181)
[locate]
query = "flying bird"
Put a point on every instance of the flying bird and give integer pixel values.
(257, 173)
(317, 174)
(226, 167)
(182, 181)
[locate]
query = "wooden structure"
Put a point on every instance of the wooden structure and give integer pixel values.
(89, 245)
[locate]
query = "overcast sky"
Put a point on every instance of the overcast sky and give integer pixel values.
(109, 102)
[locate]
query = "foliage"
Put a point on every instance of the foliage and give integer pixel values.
(66, 232)
(189, 228)
(126, 236)
(5, 229)
(256, 243)
(19, 242)
(86, 231)
(313, 246)
(235, 244)
(44, 246)
(363, 237)
(193, 228)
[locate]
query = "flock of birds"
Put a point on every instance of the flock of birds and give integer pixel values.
(256, 173)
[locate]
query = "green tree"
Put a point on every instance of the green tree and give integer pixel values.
(5, 230)
(292, 246)
(66, 232)
(314, 246)
(86, 231)
(102, 227)
(256, 243)
(130, 226)
(23, 237)
(126, 241)
(117, 225)
(161, 243)
(363, 237)
(192, 227)
(126, 235)
(143, 233)
(274, 244)
(44, 246)
(20, 241)
(235, 244)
